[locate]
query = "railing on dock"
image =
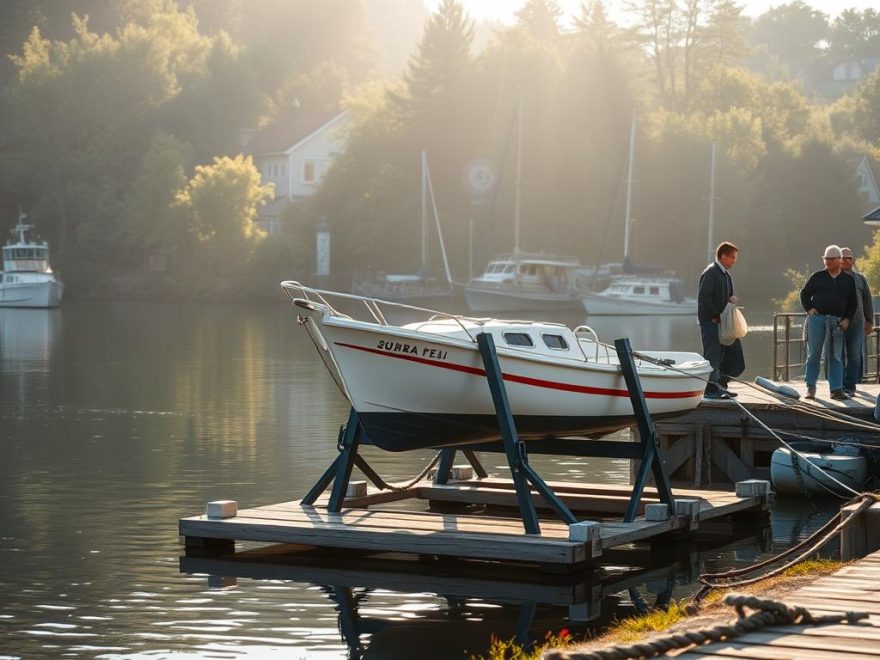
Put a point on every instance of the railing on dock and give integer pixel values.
(790, 348)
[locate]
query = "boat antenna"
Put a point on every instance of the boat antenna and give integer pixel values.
(516, 209)
(21, 227)
(711, 245)
(629, 182)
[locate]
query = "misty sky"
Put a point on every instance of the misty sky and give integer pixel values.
(503, 10)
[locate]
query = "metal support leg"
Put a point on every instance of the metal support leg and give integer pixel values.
(479, 470)
(513, 448)
(651, 456)
(447, 457)
(340, 470)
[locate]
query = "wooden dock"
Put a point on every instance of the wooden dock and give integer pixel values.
(855, 587)
(498, 536)
(718, 444)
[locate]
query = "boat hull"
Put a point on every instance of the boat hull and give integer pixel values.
(598, 305)
(412, 390)
(491, 299)
(849, 469)
(31, 294)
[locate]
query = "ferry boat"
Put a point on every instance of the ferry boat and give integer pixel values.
(423, 384)
(27, 279)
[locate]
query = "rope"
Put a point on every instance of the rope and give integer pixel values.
(766, 612)
(728, 579)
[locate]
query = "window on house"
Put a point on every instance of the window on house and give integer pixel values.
(518, 339)
(309, 172)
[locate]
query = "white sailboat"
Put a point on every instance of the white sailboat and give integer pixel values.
(419, 286)
(522, 281)
(27, 279)
(639, 294)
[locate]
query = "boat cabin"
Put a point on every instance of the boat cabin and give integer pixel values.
(661, 289)
(553, 274)
(27, 258)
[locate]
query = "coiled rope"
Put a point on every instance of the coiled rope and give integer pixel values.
(766, 612)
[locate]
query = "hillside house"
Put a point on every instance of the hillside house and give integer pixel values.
(294, 153)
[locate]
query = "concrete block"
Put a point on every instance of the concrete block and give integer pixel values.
(656, 512)
(461, 472)
(222, 509)
(755, 488)
(689, 509)
(356, 489)
(587, 532)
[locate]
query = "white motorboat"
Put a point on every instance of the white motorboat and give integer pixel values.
(638, 295)
(27, 279)
(520, 281)
(423, 384)
(817, 468)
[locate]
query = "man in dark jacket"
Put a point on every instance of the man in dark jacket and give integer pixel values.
(715, 291)
(829, 299)
(861, 327)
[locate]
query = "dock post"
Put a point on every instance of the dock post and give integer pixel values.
(651, 454)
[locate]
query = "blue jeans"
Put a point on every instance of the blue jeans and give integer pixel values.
(854, 355)
(818, 331)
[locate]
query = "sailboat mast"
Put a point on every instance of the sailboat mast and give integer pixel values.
(437, 223)
(629, 183)
(516, 212)
(424, 214)
(711, 242)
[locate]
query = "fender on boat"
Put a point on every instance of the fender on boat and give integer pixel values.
(784, 390)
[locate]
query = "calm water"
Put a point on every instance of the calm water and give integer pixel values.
(117, 419)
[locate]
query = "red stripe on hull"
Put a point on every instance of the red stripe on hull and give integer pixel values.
(524, 380)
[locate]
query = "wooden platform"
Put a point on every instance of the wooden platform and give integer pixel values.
(717, 444)
(497, 537)
(853, 588)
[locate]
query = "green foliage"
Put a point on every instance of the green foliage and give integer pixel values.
(869, 264)
(792, 300)
(793, 31)
(219, 205)
(508, 649)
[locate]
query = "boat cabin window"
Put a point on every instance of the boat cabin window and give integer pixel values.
(555, 341)
(510, 268)
(655, 290)
(639, 290)
(518, 339)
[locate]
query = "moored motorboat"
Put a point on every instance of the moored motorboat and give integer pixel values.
(423, 384)
(27, 279)
(819, 469)
(639, 295)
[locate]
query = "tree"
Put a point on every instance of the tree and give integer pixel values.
(219, 204)
(793, 31)
(866, 110)
(685, 41)
(854, 35)
(540, 18)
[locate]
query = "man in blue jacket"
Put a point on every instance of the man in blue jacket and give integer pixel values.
(829, 299)
(715, 291)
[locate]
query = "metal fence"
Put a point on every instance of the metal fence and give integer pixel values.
(790, 348)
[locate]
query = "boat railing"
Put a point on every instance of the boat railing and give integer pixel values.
(595, 337)
(790, 348)
(373, 305)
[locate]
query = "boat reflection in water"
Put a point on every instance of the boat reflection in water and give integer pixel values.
(393, 606)
(27, 338)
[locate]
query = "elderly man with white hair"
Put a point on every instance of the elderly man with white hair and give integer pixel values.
(829, 299)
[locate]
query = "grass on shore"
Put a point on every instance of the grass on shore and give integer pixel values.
(660, 621)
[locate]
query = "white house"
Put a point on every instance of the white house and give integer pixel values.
(294, 153)
(866, 177)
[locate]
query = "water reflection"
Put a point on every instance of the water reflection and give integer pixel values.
(388, 606)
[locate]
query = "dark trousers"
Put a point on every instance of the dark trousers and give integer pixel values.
(726, 361)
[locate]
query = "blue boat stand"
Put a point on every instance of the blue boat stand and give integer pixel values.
(647, 450)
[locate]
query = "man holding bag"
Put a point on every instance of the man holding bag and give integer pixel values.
(715, 292)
